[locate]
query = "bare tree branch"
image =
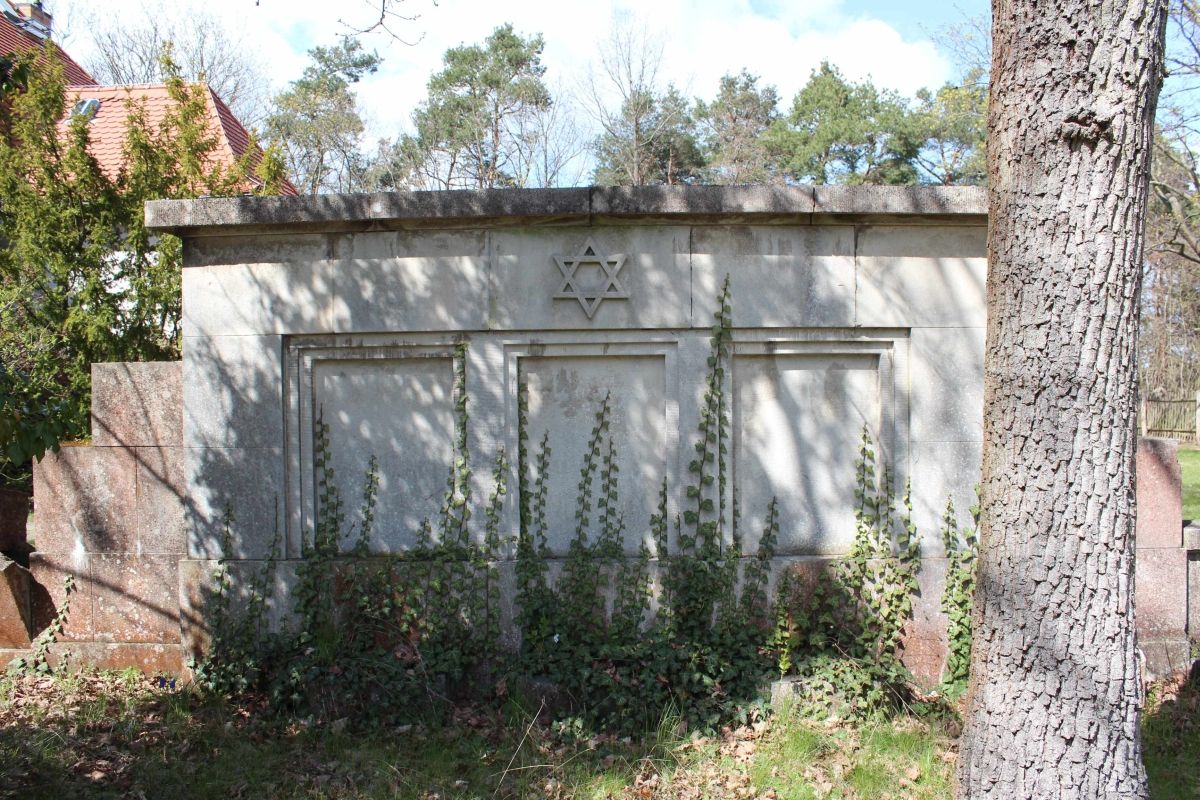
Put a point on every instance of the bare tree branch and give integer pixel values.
(129, 49)
(384, 16)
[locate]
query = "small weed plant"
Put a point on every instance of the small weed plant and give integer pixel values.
(38, 660)
(961, 545)
(839, 625)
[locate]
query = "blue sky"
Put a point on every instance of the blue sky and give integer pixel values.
(888, 42)
(919, 17)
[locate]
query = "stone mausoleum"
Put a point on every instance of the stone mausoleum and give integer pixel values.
(852, 308)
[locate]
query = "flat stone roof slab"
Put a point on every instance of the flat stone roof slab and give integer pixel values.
(646, 204)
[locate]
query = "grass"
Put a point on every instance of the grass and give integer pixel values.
(99, 735)
(1189, 464)
(1171, 738)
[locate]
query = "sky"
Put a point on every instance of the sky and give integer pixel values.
(780, 40)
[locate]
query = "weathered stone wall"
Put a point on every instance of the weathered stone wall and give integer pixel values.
(113, 515)
(850, 308)
(1162, 559)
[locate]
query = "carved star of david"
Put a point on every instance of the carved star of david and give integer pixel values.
(590, 295)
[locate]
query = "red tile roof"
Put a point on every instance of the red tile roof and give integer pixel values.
(15, 39)
(108, 128)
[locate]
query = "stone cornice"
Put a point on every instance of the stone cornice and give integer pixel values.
(596, 205)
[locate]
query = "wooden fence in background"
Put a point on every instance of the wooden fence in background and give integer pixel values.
(1174, 419)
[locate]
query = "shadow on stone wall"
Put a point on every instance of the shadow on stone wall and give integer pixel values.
(259, 307)
(251, 302)
(112, 515)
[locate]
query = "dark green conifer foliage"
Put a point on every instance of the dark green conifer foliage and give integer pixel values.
(843, 132)
(81, 279)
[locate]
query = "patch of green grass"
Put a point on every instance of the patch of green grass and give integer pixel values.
(1189, 464)
(1171, 740)
(109, 735)
(903, 757)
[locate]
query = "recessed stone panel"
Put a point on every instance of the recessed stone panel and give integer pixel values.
(797, 424)
(947, 384)
(401, 410)
(565, 393)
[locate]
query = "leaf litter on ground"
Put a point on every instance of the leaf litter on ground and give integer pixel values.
(106, 734)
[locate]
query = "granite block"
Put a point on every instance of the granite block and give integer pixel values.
(137, 404)
(1159, 493)
(85, 500)
(15, 607)
(48, 593)
(1161, 601)
(162, 501)
(148, 658)
(136, 598)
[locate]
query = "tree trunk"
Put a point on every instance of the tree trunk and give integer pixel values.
(1053, 706)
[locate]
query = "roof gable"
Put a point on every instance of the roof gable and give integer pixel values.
(15, 39)
(108, 128)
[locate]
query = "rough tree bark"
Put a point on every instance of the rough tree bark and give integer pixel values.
(1054, 697)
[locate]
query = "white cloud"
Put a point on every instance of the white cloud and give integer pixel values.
(702, 39)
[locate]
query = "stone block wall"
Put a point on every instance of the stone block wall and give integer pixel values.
(113, 515)
(851, 308)
(1162, 559)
